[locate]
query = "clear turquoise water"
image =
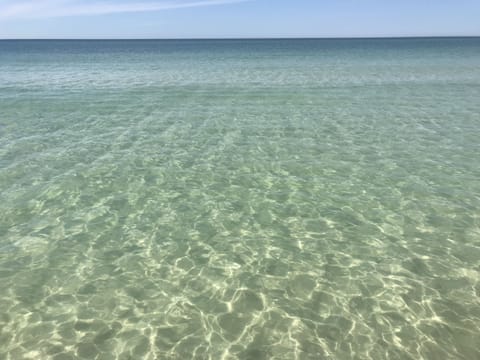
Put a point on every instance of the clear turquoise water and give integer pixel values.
(287, 199)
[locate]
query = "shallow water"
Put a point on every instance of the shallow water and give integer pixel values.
(288, 199)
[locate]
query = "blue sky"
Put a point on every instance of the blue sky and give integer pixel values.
(236, 18)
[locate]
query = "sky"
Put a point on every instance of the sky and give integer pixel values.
(237, 18)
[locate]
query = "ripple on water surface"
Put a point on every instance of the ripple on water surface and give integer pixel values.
(254, 213)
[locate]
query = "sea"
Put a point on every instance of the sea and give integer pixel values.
(240, 199)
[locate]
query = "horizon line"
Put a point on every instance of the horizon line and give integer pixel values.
(241, 38)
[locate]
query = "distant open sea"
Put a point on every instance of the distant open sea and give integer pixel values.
(240, 199)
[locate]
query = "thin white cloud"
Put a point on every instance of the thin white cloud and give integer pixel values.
(61, 8)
